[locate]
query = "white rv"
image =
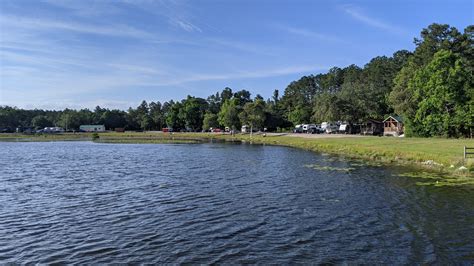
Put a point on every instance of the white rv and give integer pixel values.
(329, 127)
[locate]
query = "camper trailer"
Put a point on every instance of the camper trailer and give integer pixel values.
(329, 127)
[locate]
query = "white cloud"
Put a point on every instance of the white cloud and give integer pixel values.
(43, 24)
(308, 33)
(357, 14)
(94, 8)
(243, 46)
(185, 25)
(259, 73)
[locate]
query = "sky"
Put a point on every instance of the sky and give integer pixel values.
(57, 54)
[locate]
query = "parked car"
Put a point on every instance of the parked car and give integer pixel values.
(329, 127)
(311, 128)
(343, 129)
(298, 129)
(6, 130)
(316, 130)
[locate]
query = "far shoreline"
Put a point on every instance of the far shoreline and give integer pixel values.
(438, 155)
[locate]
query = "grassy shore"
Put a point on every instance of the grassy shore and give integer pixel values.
(435, 154)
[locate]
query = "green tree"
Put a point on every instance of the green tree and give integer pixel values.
(243, 96)
(156, 115)
(97, 116)
(229, 114)
(193, 112)
(226, 94)
(253, 114)
(40, 121)
(145, 122)
(133, 119)
(174, 119)
(442, 91)
(114, 119)
(326, 108)
(300, 114)
(214, 102)
(298, 98)
(210, 120)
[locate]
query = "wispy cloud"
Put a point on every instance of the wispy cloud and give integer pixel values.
(48, 24)
(357, 13)
(177, 13)
(185, 25)
(242, 46)
(257, 73)
(308, 33)
(86, 8)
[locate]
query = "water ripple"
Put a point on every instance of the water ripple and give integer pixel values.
(88, 203)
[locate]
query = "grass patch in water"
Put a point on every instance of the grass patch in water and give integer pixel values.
(440, 179)
(329, 168)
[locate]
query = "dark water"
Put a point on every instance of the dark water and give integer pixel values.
(81, 202)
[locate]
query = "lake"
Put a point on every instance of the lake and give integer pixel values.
(85, 202)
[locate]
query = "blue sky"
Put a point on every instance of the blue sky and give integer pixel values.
(82, 53)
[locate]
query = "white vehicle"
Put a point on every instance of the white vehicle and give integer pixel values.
(324, 125)
(298, 129)
(329, 127)
(343, 128)
(305, 128)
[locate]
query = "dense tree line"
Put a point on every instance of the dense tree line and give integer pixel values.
(432, 88)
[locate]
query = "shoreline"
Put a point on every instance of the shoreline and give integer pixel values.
(433, 155)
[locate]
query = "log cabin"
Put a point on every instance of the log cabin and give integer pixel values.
(393, 126)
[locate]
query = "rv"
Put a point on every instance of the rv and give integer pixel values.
(298, 129)
(305, 128)
(329, 127)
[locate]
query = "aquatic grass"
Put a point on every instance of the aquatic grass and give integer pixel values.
(439, 179)
(328, 168)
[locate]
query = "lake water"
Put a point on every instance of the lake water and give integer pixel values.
(83, 202)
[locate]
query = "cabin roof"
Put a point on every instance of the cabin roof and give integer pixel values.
(92, 126)
(395, 117)
(370, 120)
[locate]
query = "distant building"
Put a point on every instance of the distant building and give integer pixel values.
(53, 130)
(372, 127)
(393, 126)
(92, 128)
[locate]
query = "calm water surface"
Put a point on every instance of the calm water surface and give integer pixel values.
(82, 202)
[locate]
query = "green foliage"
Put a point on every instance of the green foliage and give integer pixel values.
(174, 118)
(71, 119)
(210, 120)
(114, 119)
(300, 114)
(298, 98)
(243, 97)
(156, 115)
(40, 121)
(193, 112)
(326, 108)
(253, 114)
(229, 114)
(440, 89)
(401, 97)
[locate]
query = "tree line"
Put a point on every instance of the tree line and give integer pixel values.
(431, 88)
